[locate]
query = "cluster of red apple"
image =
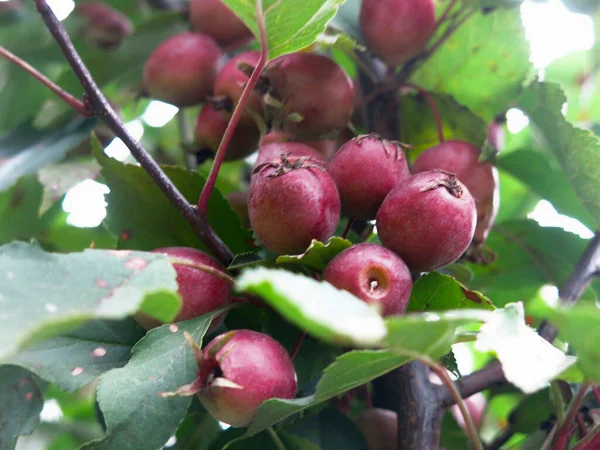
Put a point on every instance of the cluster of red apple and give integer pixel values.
(300, 187)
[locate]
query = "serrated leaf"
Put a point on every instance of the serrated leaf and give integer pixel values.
(27, 149)
(317, 255)
(154, 222)
(528, 361)
(322, 310)
(418, 127)
(577, 150)
(291, 24)
(450, 363)
(95, 348)
(580, 327)
(137, 417)
(437, 292)
(21, 402)
(482, 65)
(45, 294)
(19, 210)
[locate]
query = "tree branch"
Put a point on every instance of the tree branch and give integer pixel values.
(586, 268)
(97, 102)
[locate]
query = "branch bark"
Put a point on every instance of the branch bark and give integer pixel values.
(97, 102)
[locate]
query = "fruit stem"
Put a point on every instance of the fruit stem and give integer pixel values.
(80, 107)
(276, 440)
(237, 113)
(186, 138)
(596, 393)
(99, 105)
(348, 227)
(591, 441)
(443, 375)
(298, 345)
(434, 109)
(563, 434)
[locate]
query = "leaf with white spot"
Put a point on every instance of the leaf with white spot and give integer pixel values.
(89, 351)
(137, 417)
(528, 361)
(45, 294)
(324, 311)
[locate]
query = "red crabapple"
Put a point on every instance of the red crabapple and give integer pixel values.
(182, 70)
(373, 274)
(105, 26)
(238, 371)
(428, 220)
(480, 177)
(291, 202)
(214, 18)
(379, 428)
(365, 170)
(293, 150)
(210, 128)
(397, 30)
(314, 87)
(202, 285)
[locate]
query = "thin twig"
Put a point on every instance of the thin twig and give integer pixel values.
(433, 107)
(70, 100)
(591, 441)
(348, 228)
(99, 104)
(298, 345)
(237, 112)
(563, 434)
(276, 440)
(441, 372)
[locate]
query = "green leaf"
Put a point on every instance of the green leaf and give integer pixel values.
(437, 292)
(291, 24)
(21, 402)
(482, 65)
(577, 150)
(318, 255)
(143, 218)
(528, 360)
(548, 181)
(19, 210)
(324, 311)
(28, 149)
(136, 415)
(197, 432)
(418, 127)
(580, 327)
(525, 262)
(329, 429)
(45, 294)
(531, 412)
(428, 334)
(348, 371)
(93, 349)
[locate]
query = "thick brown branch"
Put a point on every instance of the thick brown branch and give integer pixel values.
(95, 100)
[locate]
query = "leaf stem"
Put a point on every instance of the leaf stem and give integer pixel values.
(70, 100)
(563, 435)
(559, 402)
(298, 345)
(276, 440)
(433, 107)
(348, 228)
(95, 101)
(469, 424)
(591, 441)
(237, 112)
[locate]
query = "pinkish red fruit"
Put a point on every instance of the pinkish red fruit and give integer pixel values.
(373, 274)
(214, 18)
(476, 405)
(202, 282)
(365, 170)
(292, 202)
(326, 147)
(182, 70)
(397, 30)
(231, 81)
(210, 128)
(314, 87)
(480, 177)
(293, 150)
(379, 427)
(240, 370)
(428, 220)
(106, 27)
